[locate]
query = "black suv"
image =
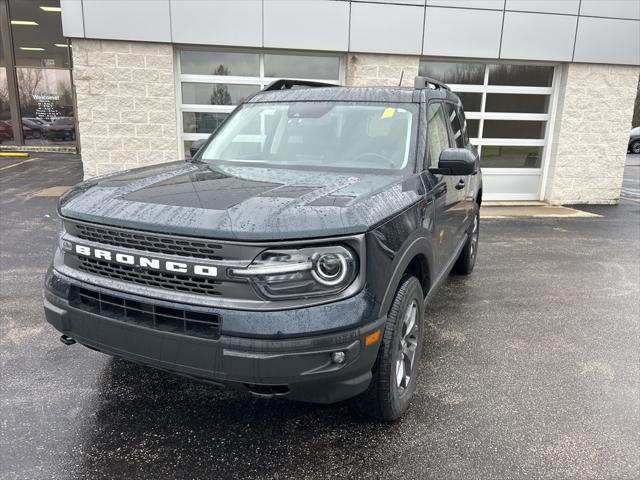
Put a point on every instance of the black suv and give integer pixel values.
(291, 257)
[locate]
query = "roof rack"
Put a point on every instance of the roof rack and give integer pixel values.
(287, 84)
(425, 82)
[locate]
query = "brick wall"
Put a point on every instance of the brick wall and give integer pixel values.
(126, 104)
(364, 69)
(591, 133)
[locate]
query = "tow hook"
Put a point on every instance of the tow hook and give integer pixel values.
(67, 340)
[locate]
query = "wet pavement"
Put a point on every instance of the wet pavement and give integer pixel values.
(530, 370)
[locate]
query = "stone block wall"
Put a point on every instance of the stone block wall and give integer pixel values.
(126, 104)
(591, 133)
(376, 70)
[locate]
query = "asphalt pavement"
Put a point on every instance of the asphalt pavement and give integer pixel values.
(531, 369)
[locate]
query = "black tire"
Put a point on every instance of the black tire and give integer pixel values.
(385, 399)
(467, 259)
(635, 147)
(36, 134)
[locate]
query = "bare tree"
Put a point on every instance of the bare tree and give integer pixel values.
(220, 94)
(29, 85)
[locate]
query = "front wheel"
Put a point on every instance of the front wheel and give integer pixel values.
(396, 369)
(467, 259)
(635, 147)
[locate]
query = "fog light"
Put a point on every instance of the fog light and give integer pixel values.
(338, 357)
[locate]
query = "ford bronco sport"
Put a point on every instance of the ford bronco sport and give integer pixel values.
(292, 256)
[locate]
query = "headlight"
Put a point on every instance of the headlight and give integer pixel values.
(306, 272)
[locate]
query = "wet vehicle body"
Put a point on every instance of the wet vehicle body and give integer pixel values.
(293, 277)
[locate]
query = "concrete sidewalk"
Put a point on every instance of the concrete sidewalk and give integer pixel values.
(539, 210)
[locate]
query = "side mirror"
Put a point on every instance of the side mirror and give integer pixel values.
(196, 146)
(456, 161)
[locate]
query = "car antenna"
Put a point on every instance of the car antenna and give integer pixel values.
(401, 75)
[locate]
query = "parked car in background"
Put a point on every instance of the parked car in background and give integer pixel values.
(62, 128)
(38, 127)
(634, 140)
(6, 129)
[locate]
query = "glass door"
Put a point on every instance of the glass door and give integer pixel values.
(36, 94)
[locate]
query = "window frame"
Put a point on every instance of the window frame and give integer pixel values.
(260, 80)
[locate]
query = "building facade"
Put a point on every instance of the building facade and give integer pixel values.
(548, 86)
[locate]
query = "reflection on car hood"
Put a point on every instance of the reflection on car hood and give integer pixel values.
(238, 202)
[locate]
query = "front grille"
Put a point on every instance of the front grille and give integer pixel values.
(149, 242)
(174, 320)
(151, 278)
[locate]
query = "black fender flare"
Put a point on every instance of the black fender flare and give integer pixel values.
(417, 246)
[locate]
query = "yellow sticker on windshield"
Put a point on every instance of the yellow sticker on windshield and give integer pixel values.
(388, 112)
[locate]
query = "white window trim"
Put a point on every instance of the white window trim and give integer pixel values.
(228, 79)
(260, 81)
(510, 171)
(207, 108)
(543, 117)
(500, 88)
(179, 123)
(508, 142)
(551, 125)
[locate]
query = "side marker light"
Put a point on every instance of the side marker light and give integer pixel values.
(372, 338)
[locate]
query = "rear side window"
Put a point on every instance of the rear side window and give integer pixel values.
(437, 135)
(463, 121)
(456, 126)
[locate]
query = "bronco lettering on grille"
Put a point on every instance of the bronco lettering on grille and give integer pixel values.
(146, 262)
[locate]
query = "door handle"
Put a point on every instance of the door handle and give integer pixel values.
(460, 184)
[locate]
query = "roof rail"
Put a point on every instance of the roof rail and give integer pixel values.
(287, 84)
(424, 82)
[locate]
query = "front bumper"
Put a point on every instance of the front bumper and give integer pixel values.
(299, 368)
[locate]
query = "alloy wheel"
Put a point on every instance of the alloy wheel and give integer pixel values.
(407, 347)
(475, 233)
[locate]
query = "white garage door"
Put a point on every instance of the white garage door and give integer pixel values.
(509, 112)
(213, 82)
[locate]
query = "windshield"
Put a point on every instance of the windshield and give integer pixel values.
(318, 134)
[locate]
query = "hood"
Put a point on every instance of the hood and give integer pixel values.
(241, 202)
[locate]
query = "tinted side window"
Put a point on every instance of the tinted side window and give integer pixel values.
(463, 121)
(456, 127)
(437, 135)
